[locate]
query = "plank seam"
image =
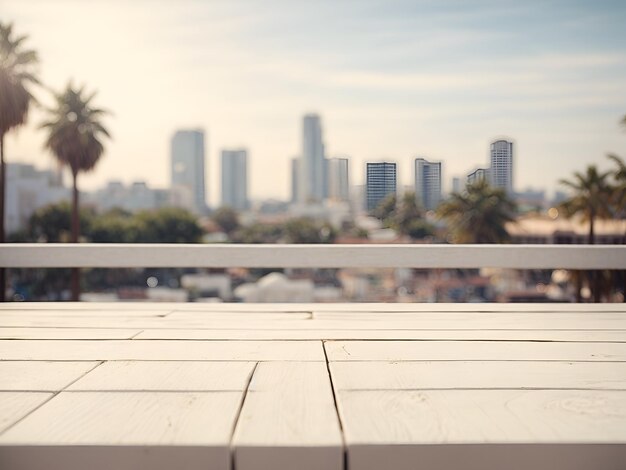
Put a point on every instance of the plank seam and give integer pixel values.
(341, 428)
(236, 421)
(54, 394)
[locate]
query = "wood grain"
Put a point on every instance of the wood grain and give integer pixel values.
(161, 350)
(166, 376)
(126, 430)
(41, 375)
(289, 420)
(478, 375)
(473, 351)
(15, 405)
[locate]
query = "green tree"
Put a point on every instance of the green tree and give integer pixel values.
(407, 213)
(114, 226)
(258, 233)
(75, 134)
(17, 74)
(479, 215)
(385, 210)
(307, 230)
(227, 219)
(167, 225)
(52, 223)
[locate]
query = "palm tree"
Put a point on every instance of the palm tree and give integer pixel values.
(75, 139)
(16, 74)
(591, 200)
(479, 215)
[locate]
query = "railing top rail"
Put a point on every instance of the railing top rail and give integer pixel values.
(97, 255)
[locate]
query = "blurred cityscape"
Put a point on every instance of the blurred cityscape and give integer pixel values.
(324, 208)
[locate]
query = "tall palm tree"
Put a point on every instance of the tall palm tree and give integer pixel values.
(618, 202)
(591, 199)
(75, 138)
(479, 215)
(17, 73)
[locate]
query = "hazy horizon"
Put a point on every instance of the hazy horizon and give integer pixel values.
(390, 79)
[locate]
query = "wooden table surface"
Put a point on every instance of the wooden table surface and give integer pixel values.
(312, 386)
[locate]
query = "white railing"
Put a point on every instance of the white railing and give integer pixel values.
(91, 255)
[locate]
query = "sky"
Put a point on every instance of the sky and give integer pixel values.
(391, 79)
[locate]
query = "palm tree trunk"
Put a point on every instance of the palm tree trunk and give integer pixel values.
(75, 281)
(3, 179)
(595, 275)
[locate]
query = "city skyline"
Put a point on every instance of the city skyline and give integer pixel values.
(390, 80)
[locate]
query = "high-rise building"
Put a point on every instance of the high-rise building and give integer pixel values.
(29, 189)
(338, 179)
(501, 170)
(457, 185)
(187, 169)
(235, 179)
(427, 183)
(479, 174)
(295, 179)
(380, 181)
(313, 166)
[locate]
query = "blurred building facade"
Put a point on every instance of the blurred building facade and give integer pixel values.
(427, 183)
(380, 181)
(501, 165)
(187, 170)
(28, 189)
(339, 179)
(235, 179)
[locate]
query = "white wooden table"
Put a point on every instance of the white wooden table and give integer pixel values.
(325, 386)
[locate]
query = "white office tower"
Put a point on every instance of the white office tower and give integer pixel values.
(235, 179)
(427, 183)
(380, 182)
(187, 170)
(338, 179)
(312, 169)
(501, 171)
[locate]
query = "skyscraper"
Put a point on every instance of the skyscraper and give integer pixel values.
(295, 179)
(312, 168)
(187, 169)
(235, 179)
(338, 179)
(501, 171)
(380, 180)
(427, 183)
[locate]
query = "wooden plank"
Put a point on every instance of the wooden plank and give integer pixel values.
(110, 255)
(15, 405)
(66, 333)
(317, 308)
(477, 375)
(473, 351)
(79, 350)
(484, 429)
(41, 376)
(289, 420)
(57, 312)
(127, 430)
(167, 376)
(502, 321)
(334, 308)
(617, 336)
